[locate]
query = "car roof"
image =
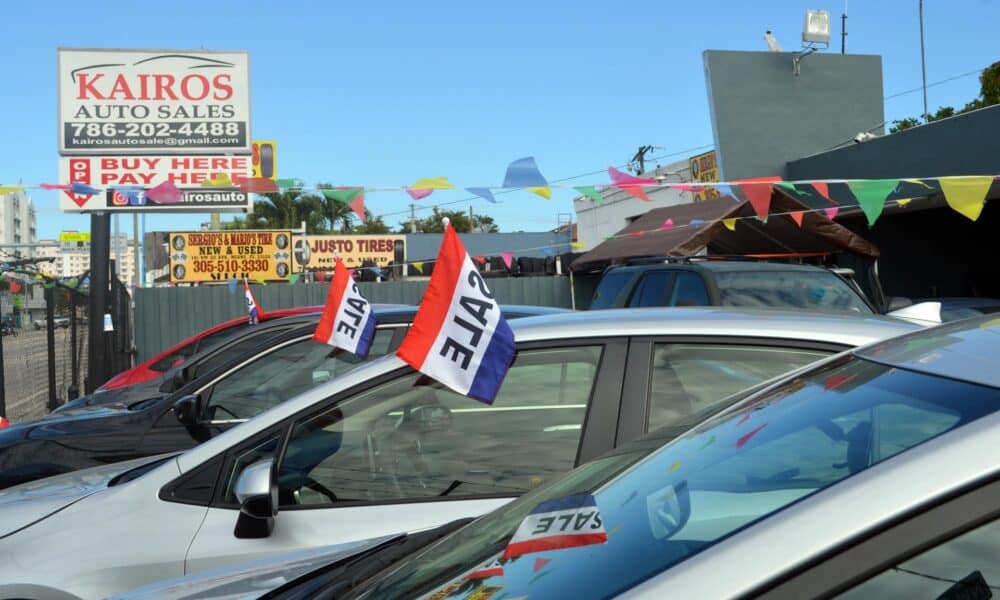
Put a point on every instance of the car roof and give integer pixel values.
(965, 350)
(724, 266)
(835, 328)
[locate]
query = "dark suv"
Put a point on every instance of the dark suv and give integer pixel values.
(705, 282)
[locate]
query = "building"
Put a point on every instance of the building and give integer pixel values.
(72, 255)
(17, 238)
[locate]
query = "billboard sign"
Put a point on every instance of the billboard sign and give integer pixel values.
(127, 178)
(153, 101)
(705, 169)
(206, 256)
(74, 236)
(264, 156)
(354, 250)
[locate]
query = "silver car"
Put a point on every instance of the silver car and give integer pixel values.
(384, 449)
(875, 474)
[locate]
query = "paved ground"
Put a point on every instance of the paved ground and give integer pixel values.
(25, 362)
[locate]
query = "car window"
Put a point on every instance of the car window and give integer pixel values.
(964, 567)
(413, 438)
(688, 378)
(793, 289)
(286, 372)
(652, 289)
(250, 341)
(694, 491)
(689, 290)
(610, 286)
(213, 339)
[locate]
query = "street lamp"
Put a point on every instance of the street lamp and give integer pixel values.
(815, 32)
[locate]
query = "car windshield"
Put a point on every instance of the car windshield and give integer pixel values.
(597, 532)
(793, 289)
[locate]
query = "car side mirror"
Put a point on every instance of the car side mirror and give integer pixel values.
(179, 379)
(257, 492)
(187, 409)
(897, 302)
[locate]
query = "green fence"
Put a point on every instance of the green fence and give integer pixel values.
(166, 316)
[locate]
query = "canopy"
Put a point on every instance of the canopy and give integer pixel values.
(779, 235)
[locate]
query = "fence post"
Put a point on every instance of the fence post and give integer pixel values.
(74, 388)
(50, 331)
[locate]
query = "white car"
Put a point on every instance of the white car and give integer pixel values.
(384, 449)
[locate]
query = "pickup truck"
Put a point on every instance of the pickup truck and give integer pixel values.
(58, 322)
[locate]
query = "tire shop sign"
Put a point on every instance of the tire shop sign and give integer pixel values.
(207, 256)
(153, 102)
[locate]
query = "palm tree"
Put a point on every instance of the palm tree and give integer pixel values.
(339, 214)
(286, 210)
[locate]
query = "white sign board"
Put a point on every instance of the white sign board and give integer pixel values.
(153, 102)
(124, 180)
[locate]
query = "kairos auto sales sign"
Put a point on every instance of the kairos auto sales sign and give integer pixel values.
(153, 102)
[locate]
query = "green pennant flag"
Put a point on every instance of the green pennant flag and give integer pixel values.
(344, 196)
(788, 187)
(286, 183)
(293, 278)
(590, 192)
(871, 195)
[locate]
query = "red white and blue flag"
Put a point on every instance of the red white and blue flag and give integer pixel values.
(556, 524)
(253, 309)
(458, 336)
(348, 321)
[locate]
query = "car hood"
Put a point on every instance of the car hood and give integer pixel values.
(252, 579)
(28, 503)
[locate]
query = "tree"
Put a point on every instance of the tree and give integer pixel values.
(459, 220)
(372, 225)
(989, 94)
(286, 210)
(339, 214)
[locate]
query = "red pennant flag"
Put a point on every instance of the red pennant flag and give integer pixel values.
(480, 259)
(823, 189)
(15, 287)
(746, 438)
(796, 216)
(540, 564)
(758, 192)
(4, 422)
(358, 204)
(631, 185)
(259, 185)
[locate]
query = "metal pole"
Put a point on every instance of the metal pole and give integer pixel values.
(74, 388)
(142, 272)
(923, 65)
(3, 383)
(843, 30)
(135, 249)
(413, 218)
(97, 359)
(50, 341)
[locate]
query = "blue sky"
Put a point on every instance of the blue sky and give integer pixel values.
(383, 93)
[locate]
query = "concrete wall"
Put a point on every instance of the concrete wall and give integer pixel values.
(168, 315)
(763, 116)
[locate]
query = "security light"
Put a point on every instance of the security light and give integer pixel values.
(816, 29)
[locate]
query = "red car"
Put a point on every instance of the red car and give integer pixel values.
(154, 367)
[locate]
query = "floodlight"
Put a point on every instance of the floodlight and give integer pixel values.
(816, 29)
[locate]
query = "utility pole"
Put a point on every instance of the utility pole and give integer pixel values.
(640, 157)
(413, 218)
(843, 30)
(135, 249)
(472, 220)
(923, 66)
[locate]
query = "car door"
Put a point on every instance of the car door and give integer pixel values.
(287, 368)
(403, 452)
(673, 378)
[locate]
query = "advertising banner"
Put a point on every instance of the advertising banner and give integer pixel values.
(222, 255)
(153, 101)
(354, 250)
(705, 169)
(74, 236)
(132, 176)
(264, 156)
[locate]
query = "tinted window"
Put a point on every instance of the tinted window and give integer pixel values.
(794, 289)
(689, 290)
(964, 567)
(608, 289)
(251, 341)
(688, 378)
(413, 438)
(282, 374)
(652, 289)
(799, 438)
(213, 339)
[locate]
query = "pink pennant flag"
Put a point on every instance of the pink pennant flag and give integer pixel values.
(797, 217)
(668, 224)
(259, 185)
(418, 194)
(358, 204)
(55, 186)
(758, 192)
(822, 189)
(630, 184)
(165, 193)
(508, 258)
(831, 213)
(694, 189)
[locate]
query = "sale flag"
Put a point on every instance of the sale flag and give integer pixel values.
(458, 336)
(556, 524)
(348, 321)
(253, 309)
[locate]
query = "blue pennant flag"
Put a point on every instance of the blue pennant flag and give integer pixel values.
(483, 193)
(83, 189)
(232, 283)
(548, 251)
(523, 173)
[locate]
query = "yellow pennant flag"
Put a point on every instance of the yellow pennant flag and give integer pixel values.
(542, 191)
(10, 189)
(904, 201)
(419, 266)
(730, 224)
(918, 182)
(966, 195)
(432, 183)
(220, 180)
(577, 245)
